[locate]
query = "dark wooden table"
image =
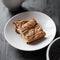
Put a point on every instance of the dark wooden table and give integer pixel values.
(7, 52)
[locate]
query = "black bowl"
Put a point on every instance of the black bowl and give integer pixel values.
(53, 51)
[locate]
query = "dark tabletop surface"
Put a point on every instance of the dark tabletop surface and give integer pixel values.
(7, 52)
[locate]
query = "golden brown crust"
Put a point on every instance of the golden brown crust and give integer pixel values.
(29, 29)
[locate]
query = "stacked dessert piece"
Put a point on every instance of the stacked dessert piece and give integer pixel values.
(29, 29)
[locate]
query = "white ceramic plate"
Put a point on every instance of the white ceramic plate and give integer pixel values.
(18, 42)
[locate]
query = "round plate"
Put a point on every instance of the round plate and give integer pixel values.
(18, 42)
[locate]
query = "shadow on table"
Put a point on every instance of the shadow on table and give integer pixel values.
(33, 55)
(18, 10)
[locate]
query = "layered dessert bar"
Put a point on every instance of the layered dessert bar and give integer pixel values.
(29, 29)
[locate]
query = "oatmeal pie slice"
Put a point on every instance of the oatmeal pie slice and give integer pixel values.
(29, 29)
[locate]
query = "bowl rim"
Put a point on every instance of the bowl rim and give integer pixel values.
(48, 49)
(23, 13)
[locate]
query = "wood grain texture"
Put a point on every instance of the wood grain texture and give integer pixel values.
(7, 52)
